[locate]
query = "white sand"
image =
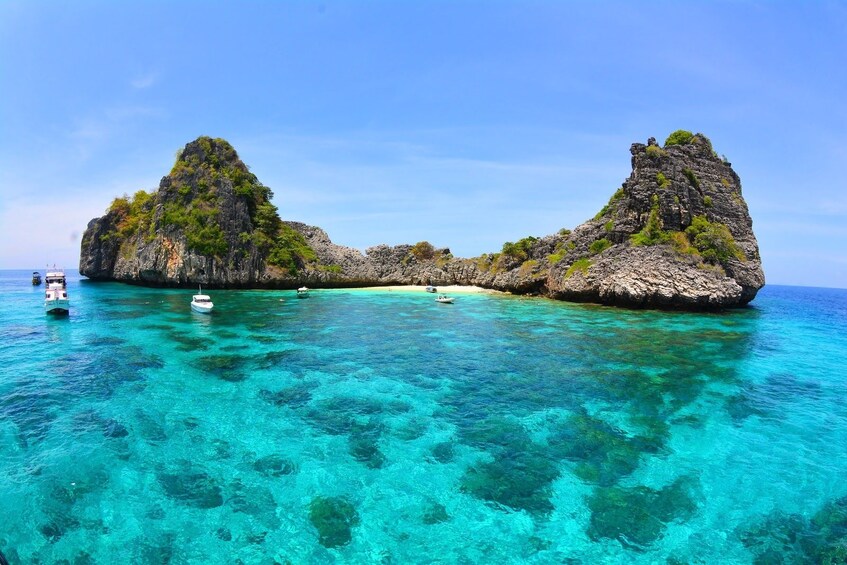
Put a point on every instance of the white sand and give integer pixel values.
(448, 289)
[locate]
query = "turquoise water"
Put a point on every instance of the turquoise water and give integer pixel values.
(381, 427)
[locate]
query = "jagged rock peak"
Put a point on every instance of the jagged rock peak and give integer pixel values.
(677, 233)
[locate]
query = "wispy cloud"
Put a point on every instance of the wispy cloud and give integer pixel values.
(144, 81)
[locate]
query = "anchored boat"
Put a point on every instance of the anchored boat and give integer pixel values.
(201, 303)
(56, 299)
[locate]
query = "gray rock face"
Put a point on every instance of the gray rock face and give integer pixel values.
(682, 182)
(677, 234)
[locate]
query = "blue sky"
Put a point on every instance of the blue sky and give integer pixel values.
(467, 124)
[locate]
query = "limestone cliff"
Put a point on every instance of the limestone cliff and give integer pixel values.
(210, 221)
(677, 234)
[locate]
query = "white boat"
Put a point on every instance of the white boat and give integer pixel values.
(444, 299)
(302, 292)
(56, 294)
(430, 288)
(36, 278)
(201, 303)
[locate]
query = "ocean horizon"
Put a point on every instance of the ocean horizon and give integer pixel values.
(366, 426)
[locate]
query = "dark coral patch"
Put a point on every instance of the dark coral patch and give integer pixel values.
(791, 538)
(364, 445)
(443, 452)
(274, 466)
(255, 501)
(225, 367)
(638, 516)
(602, 453)
(521, 473)
(114, 429)
(435, 514)
(519, 481)
(765, 399)
(334, 518)
(294, 396)
(195, 489)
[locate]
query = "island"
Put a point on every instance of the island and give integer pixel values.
(677, 234)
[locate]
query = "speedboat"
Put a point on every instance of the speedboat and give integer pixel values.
(36, 278)
(201, 303)
(302, 292)
(430, 288)
(444, 299)
(56, 294)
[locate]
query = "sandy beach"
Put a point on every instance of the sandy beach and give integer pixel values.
(448, 289)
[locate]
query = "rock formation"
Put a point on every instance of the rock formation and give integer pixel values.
(677, 234)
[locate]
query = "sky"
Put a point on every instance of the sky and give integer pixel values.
(465, 124)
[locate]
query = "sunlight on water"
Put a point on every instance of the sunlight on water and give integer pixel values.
(377, 427)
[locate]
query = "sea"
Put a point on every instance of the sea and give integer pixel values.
(376, 426)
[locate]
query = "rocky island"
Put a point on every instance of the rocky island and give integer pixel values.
(676, 234)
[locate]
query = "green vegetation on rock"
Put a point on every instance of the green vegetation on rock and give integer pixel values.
(519, 250)
(133, 215)
(290, 250)
(662, 180)
(655, 151)
(652, 233)
(608, 207)
(558, 253)
(599, 246)
(423, 250)
(580, 265)
(191, 200)
(692, 178)
(713, 240)
(679, 137)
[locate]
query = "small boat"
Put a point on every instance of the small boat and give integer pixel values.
(201, 303)
(430, 288)
(302, 292)
(444, 299)
(36, 278)
(56, 294)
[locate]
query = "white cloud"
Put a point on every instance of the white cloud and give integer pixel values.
(144, 81)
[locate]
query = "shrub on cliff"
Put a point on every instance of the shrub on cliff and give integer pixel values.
(713, 240)
(290, 250)
(652, 233)
(679, 137)
(610, 205)
(599, 246)
(519, 250)
(656, 152)
(423, 250)
(692, 178)
(133, 215)
(580, 265)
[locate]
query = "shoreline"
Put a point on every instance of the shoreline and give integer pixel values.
(448, 289)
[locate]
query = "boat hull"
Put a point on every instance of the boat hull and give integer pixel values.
(201, 309)
(58, 306)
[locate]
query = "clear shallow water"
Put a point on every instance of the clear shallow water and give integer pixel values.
(381, 427)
